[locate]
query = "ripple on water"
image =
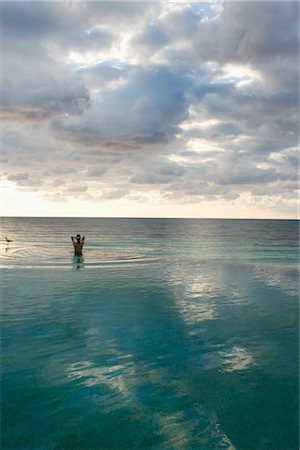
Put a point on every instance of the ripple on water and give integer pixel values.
(230, 360)
(37, 256)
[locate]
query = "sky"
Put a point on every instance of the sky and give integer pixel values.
(149, 109)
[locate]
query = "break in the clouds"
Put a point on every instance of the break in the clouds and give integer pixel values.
(177, 102)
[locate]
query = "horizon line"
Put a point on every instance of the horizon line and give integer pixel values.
(149, 217)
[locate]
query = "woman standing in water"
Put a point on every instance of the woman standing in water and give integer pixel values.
(78, 242)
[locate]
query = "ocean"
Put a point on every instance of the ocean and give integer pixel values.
(165, 334)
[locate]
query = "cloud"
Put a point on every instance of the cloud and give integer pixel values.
(181, 21)
(57, 170)
(146, 108)
(66, 23)
(99, 74)
(95, 171)
(248, 32)
(159, 170)
(76, 188)
(113, 194)
(18, 177)
(38, 39)
(196, 101)
(152, 38)
(40, 99)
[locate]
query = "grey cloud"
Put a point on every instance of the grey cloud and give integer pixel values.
(218, 88)
(288, 191)
(26, 180)
(147, 108)
(101, 156)
(250, 32)
(191, 189)
(156, 172)
(58, 20)
(188, 154)
(104, 72)
(221, 131)
(113, 194)
(225, 129)
(171, 168)
(94, 39)
(40, 19)
(182, 22)
(52, 94)
(150, 178)
(153, 37)
(294, 160)
(77, 188)
(18, 177)
(35, 39)
(223, 175)
(261, 34)
(264, 33)
(240, 175)
(120, 12)
(58, 182)
(59, 171)
(273, 117)
(281, 75)
(96, 171)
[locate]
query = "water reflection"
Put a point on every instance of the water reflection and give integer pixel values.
(231, 360)
(138, 358)
(78, 262)
(285, 278)
(90, 375)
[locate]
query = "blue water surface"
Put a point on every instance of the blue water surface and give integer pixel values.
(165, 334)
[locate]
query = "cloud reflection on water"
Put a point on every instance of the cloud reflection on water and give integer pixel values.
(230, 360)
(285, 278)
(124, 381)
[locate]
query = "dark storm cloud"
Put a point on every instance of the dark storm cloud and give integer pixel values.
(134, 95)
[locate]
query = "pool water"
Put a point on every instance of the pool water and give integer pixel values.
(165, 334)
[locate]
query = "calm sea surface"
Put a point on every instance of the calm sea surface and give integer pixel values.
(166, 334)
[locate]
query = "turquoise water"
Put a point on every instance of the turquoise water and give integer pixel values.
(166, 334)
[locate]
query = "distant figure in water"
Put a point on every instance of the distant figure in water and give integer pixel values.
(78, 242)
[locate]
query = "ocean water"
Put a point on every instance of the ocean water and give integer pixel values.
(165, 334)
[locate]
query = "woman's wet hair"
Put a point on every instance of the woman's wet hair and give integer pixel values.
(78, 237)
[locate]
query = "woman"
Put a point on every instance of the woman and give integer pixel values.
(78, 242)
